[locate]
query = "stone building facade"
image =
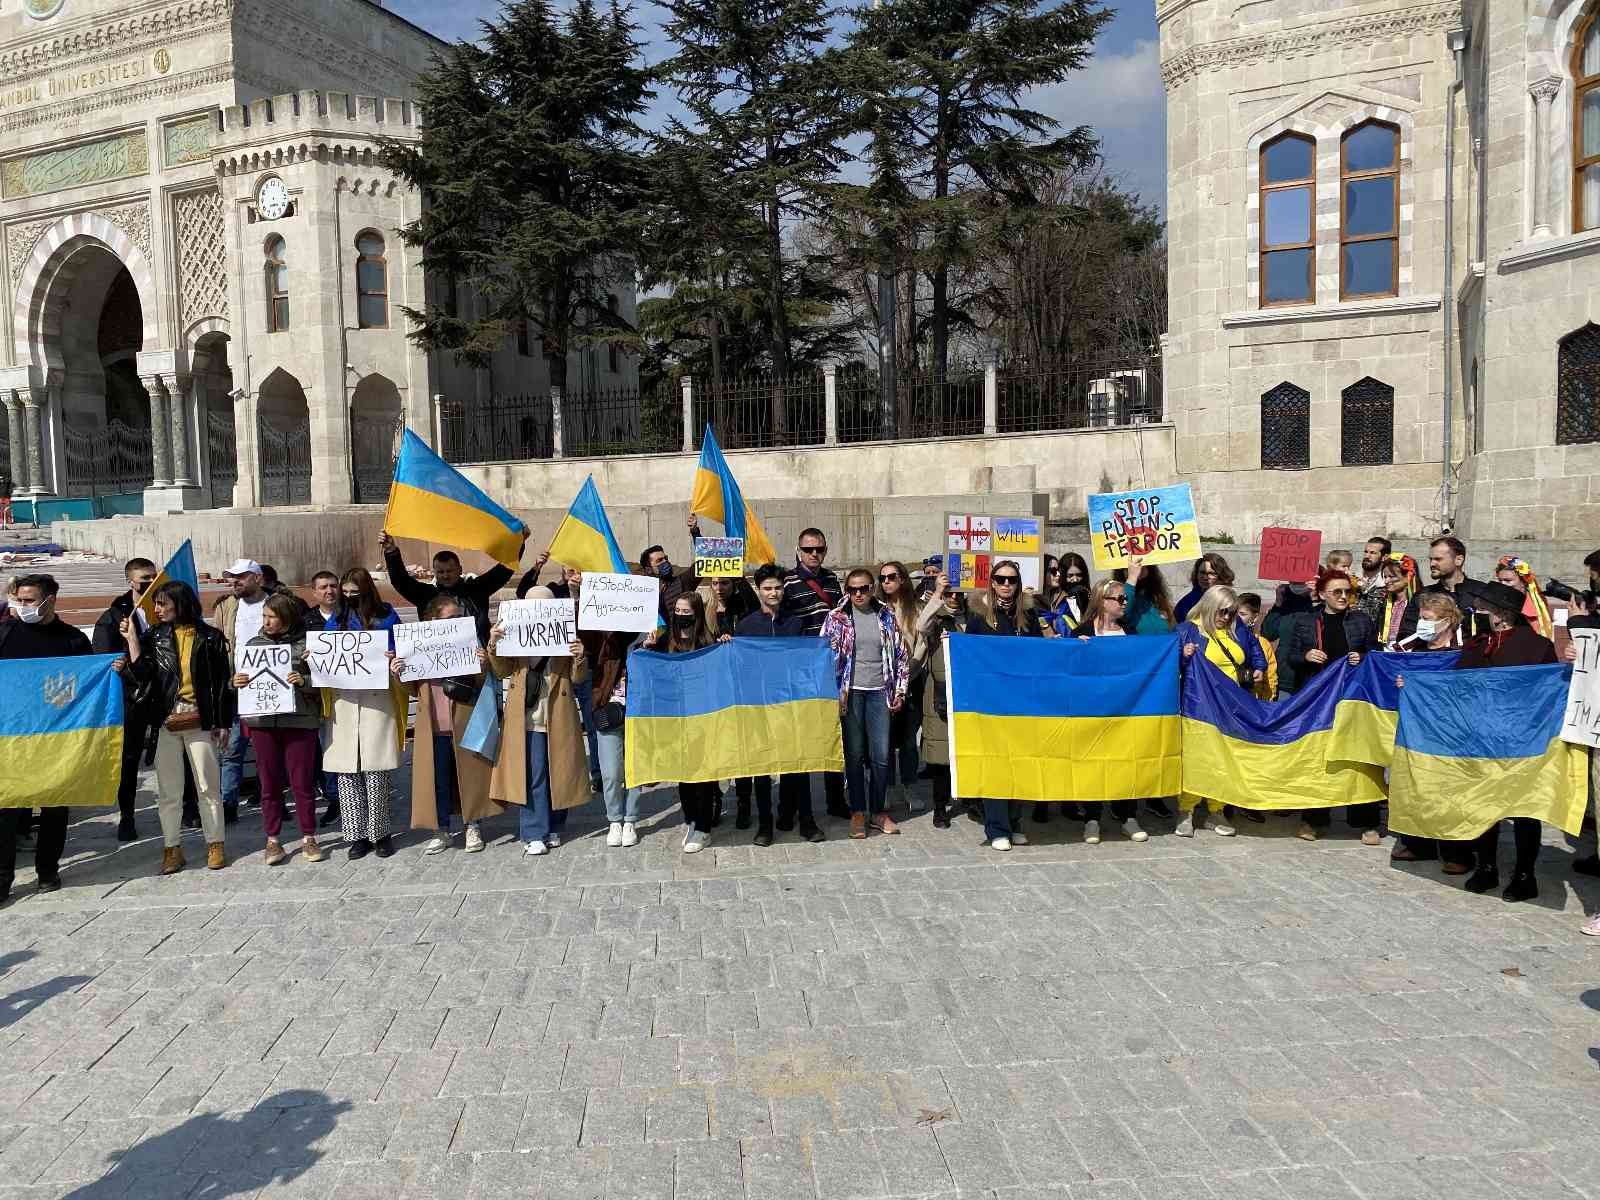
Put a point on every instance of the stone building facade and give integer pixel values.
(1385, 284)
(201, 252)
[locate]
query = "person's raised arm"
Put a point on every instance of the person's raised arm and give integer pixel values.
(414, 590)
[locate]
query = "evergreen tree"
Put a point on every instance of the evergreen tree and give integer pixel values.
(533, 181)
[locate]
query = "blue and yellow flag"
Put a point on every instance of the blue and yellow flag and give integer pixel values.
(1369, 707)
(432, 501)
(180, 567)
(60, 731)
(1056, 719)
(767, 706)
(584, 540)
(1255, 754)
(716, 495)
(1477, 746)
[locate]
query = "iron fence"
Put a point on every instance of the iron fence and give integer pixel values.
(222, 455)
(109, 460)
(285, 463)
(622, 421)
(752, 412)
(1089, 394)
(498, 429)
(921, 408)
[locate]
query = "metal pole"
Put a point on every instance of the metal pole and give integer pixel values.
(887, 297)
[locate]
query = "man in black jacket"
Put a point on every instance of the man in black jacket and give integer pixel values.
(474, 594)
(1447, 563)
(140, 574)
(36, 632)
(810, 593)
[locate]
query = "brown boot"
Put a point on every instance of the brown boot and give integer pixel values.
(172, 860)
(311, 851)
(275, 854)
(884, 823)
(858, 826)
(216, 857)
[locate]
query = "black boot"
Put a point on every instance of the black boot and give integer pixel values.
(741, 818)
(941, 815)
(810, 831)
(125, 830)
(716, 811)
(1523, 886)
(332, 816)
(785, 820)
(763, 833)
(359, 848)
(1485, 879)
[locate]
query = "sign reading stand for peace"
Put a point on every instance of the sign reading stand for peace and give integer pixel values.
(719, 557)
(1581, 723)
(1154, 525)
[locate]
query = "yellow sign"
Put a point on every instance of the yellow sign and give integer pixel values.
(719, 558)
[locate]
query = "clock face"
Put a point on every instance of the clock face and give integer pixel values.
(41, 10)
(272, 199)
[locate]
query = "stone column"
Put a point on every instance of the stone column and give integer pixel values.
(160, 447)
(991, 396)
(830, 404)
(177, 387)
(1544, 93)
(17, 436)
(32, 418)
(686, 384)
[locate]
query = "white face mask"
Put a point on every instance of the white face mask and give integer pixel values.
(28, 614)
(1427, 627)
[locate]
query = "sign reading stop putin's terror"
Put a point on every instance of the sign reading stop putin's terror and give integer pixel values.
(1152, 525)
(1290, 554)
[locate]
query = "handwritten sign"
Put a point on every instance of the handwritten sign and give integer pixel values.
(719, 558)
(268, 692)
(967, 572)
(1156, 525)
(623, 602)
(354, 660)
(1291, 554)
(969, 532)
(538, 628)
(981, 540)
(437, 649)
(1581, 725)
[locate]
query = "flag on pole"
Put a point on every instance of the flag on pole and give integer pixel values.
(60, 732)
(716, 495)
(180, 567)
(432, 501)
(584, 540)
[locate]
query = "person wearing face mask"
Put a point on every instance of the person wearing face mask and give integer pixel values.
(873, 671)
(473, 595)
(674, 582)
(36, 632)
(366, 729)
(1335, 630)
(136, 726)
(944, 613)
(1066, 593)
(686, 632)
(1436, 630)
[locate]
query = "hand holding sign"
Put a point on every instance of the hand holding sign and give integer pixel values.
(267, 691)
(349, 659)
(536, 628)
(1581, 725)
(719, 558)
(1152, 525)
(628, 603)
(1290, 554)
(437, 649)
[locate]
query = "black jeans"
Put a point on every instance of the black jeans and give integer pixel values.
(50, 839)
(939, 784)
(1120, 809)
(1360, 816)
(696, 800)
(1526, 835)
(833, 791)
(134, 737)
(794, 796)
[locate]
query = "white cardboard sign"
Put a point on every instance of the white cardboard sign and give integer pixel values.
(437, 649)
(625, 602)
(354, 660)
(1581, 724)
(268, 692)
(537, 628)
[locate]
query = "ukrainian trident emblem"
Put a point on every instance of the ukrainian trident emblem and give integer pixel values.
(60, 690)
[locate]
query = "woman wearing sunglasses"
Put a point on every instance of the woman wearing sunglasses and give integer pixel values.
(1107, 616)
(945, 613)
(894, 593)
(1005, 611)
(1065, 593)
(1211, 633)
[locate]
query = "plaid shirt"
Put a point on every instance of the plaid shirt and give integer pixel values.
(840, 630)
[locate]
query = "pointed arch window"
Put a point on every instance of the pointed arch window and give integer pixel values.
(1369, 211)
(1366, 424)
(277, 281)
(372, 282)
(1288, 214)
(1586, 122)
(1286, 428)
(1578, 387)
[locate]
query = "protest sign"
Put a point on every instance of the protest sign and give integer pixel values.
(355, 660)
(269, 692)
(1155, 525)
(1290, 554)
(1581, 724)
(537, 628)
(437, 649)
(967, 572)
(974, 542)
(719, 558)
(628, 603)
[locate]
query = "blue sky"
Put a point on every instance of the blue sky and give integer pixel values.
(1119, 94)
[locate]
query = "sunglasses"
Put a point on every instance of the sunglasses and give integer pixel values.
(1337, 592)
(1007, 580)
(1115, 600)
(858, 589)
(813, 549)
(1053, 571)
(1224, 613)
(1075, 578)
(889, 578)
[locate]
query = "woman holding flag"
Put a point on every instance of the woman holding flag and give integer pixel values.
(1106, 616)
(1211, 633)
(687, 632)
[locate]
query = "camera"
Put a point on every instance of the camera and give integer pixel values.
(1557, 590)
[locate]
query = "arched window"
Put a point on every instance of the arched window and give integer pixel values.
(1578, 387)
(1286, 428)
(277, 270)
(1288, 220)
(1366, 424)
(1369, 211)
(1586, 123)
(372, 282)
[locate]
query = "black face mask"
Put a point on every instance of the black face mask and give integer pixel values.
(683, 624)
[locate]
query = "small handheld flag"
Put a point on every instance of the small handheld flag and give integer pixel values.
(584, 540)
(482, 734)
(434, 502)
(180, 568)
(716, 495)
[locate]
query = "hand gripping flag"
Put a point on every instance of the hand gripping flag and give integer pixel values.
(180, 567)
(60, 731)
(584, 540)
(432, 501)
(716, 495)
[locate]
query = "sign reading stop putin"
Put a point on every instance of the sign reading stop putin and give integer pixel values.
(1290, 554)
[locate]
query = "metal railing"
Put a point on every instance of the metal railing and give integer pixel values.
(622, 421)
(109, 460)
(499, 429)
(1091, 394)
(752, 412)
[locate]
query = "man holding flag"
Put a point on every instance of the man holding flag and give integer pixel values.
(141, 575)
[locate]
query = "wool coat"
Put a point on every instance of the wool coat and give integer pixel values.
(472, 773)
(565, 753)
(366, 730)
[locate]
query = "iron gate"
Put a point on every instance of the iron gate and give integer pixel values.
(112, 460)
(285, 463)
(223, 456)
(374, 446)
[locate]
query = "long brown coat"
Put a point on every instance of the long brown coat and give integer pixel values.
(472, 773)
(565, 753)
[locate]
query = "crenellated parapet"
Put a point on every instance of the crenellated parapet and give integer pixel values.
(335, 126)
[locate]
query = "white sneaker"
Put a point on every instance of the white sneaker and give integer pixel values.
(695, 842)
(1222, 830)
(438, 843)
(1000, 843)
(1091, 833)
(614, 834)
(474, 838)
(1131, 828)
(1186, 826)
(1018, 838)
(553, 840)
(630, 835)
(533, 849)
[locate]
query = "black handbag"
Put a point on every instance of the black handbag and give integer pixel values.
(609, 715)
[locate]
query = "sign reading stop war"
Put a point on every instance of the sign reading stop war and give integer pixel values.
(353, 660)
(269, 692)
(537, 628)
(1290, 554)
(437, 649)
(627, 603)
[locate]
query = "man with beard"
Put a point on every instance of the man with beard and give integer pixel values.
(107, 639)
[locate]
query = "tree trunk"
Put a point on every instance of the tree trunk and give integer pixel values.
(780, 316)
(939, 352)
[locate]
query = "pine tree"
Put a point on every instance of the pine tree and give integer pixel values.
(534, 181)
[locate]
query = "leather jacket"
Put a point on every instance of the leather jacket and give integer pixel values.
(210, 666)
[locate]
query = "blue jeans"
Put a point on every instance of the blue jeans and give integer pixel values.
(866, 743)
(622, 802)
(444, 779)
(233, 765)
(536, 821)
(584, 692)
(1000, 817)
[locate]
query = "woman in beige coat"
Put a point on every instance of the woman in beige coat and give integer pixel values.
(944, 613)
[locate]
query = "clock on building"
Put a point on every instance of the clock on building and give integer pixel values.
(272, 199)
(41, 10)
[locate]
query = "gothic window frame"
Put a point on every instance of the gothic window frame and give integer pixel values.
(1577, 372)
(367, 258)
(275, 277)
(1286, 428)
(1268, 188)
(1366, 423)
(1347, 180)
(1583, 87)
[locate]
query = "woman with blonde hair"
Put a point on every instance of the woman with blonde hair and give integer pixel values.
(1106, 616)
(895, 593)
(1210, 633)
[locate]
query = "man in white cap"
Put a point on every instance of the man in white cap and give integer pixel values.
(239, 618)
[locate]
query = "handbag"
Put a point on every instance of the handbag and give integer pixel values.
(183, 717)
(1241, 673)
(609, 715)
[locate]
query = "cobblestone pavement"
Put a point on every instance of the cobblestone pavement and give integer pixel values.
(911, 1016)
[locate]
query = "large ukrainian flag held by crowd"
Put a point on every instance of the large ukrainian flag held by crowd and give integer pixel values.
(1476, 746)
(767, 706)
(1056, 719)
(716, 495)
(60, 731)
(434, 502)
(1369, 706)
(584, 540)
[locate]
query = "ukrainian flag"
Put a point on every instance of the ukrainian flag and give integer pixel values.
(1058, 719)
(716, 495)
(1364, 722)
(767, 706)
(584, 540)
(60, 731)
(180, 567)
(434, 502)
(1255, 754)
(1474, 747)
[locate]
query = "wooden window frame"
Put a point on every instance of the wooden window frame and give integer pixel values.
(383, 261)
(1262, 250)
(1582, 85)
(276, 252)
(1346, 177)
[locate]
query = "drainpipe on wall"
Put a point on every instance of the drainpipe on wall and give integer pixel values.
(1457, 41)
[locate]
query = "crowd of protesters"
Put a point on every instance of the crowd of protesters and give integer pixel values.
(886, 629)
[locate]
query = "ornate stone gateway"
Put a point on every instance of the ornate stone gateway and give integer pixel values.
(114, 460)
